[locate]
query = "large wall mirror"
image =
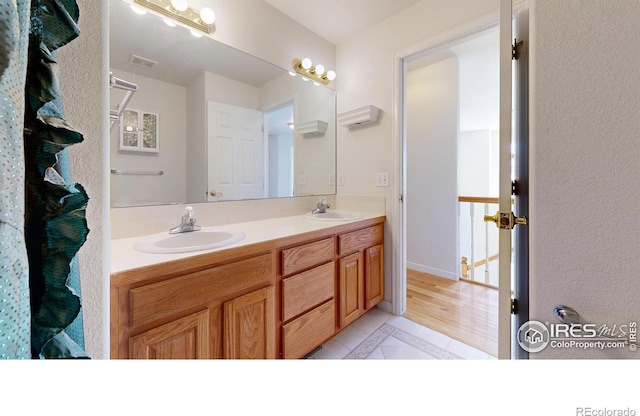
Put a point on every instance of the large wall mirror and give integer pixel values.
(211, 123)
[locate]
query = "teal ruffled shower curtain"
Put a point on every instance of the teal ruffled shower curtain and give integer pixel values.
(55, 225)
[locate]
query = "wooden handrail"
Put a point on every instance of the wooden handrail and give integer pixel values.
(480, 199)
(483, 261)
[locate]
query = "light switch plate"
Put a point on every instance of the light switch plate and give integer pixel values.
(382, 179)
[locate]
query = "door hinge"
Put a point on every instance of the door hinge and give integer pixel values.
(401, 198)
(515, 49)
(514, 306)
(514, 188)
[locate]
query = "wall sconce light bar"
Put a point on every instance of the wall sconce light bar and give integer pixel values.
(189, 17)
(312, 72)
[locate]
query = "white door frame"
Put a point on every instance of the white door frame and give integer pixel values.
(398, 139)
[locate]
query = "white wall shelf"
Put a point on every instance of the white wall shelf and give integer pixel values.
(359, 117)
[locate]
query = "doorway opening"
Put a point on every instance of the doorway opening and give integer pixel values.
(279, 151)
(451, 150)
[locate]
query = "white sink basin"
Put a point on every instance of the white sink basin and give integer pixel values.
(335, 215)
(205, 239)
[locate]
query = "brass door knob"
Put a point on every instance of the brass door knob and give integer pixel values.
(492, 218)
(213, 192)
(506, 220)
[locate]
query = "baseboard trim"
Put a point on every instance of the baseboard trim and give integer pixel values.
(433, 271)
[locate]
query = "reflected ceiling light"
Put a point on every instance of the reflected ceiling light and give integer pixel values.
(138, 10)
(317, 74)
(178, 11)
(169, 23)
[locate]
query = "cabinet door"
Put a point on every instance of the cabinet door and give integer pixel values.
(351, 289)
(249, 325)
(183, 338)
(373, 276)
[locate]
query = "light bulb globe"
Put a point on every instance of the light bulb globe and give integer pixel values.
(207, 16)
(180, 5)
(319, 70)
(306, 63)
(331, 75)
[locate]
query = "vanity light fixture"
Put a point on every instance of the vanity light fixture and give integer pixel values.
(316, 73)
(178, 11)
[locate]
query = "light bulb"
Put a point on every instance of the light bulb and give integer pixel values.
(331, 75)
(306, 63)
(180, 5)
(207, 16)
(137, 9)
(319, 70)
(196, 34)
(169, 23)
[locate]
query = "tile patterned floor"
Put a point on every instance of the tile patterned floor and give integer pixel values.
(380, 335)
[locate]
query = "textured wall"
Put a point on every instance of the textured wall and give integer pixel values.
(585, 181)
(83, 79)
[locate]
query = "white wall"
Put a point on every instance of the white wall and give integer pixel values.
(478, 163)
(585, 181)
(169, 101)
(366, 76)
(84, 84)
(432, 189)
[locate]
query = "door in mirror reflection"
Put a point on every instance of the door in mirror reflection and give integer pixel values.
(235, 161)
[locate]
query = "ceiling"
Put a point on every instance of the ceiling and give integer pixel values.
(337, 20)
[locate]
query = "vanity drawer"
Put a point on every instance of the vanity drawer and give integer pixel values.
(358, 240)
(302, 335)
(172, 297)
(308, 255)
(306, 290)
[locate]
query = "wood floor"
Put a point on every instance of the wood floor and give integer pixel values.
(462, 310)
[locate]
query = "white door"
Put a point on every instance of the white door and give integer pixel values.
(505, 219)
(235, 158)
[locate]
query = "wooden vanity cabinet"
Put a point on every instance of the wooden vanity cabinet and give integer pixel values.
(222, 311)
(281, 298)
(360, 272)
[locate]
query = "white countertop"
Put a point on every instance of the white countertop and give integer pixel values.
(124, 257)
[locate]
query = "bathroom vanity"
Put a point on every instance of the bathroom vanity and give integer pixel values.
(289, 286)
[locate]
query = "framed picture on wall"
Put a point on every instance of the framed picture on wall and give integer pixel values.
(139, 131)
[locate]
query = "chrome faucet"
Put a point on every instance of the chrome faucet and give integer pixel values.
(322, 207)
(187, 224)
